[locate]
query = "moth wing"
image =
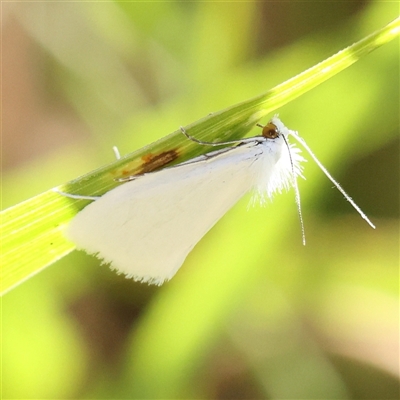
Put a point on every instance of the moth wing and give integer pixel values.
(145, 228)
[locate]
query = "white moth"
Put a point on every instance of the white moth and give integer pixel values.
(146, 227)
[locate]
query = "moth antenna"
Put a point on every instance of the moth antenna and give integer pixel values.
(193, 139)
(296, 193)
(332, 179)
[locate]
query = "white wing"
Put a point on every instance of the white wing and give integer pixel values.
(145, 228)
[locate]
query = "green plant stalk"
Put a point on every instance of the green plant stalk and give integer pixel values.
(31, 232)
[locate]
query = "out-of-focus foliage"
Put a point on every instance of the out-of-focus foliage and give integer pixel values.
(252, 313)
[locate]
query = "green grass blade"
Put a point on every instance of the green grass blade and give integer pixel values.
(32, 231)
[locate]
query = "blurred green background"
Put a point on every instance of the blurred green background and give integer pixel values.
(252, 314)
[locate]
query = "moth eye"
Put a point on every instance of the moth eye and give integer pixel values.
(270, 131)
